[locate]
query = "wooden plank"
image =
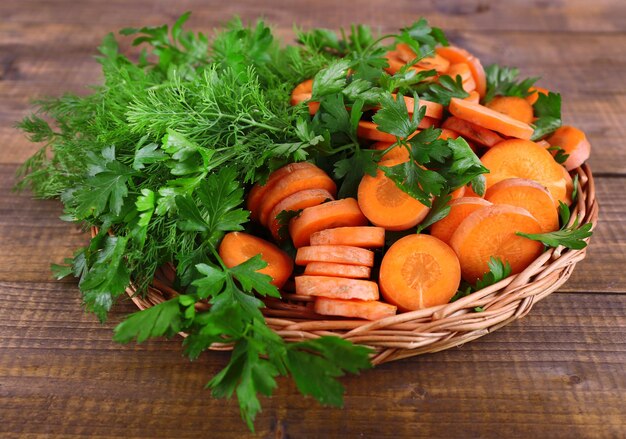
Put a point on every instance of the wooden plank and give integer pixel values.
(573, 15)
(32, 236)
(556, 373)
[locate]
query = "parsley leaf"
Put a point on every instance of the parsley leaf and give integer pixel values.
(443, 90)
(498, 271)
(547, 109)
(503, 81)
(330, 80)
(560, 156)
(571, 237)
(163, 319)
(393, 117)
(439, 210)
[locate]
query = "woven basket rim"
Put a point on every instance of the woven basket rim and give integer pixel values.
(427, 330)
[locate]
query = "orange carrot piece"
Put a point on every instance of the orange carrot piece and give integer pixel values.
(238, 247)
(340, 213)
(525, 159)
(490, 119)
(574, 142)
(459, 210)
(297, 201)
(368, 310)
(365, 236)
(434, 62)
(419, 271)
(543, 143)
(491, 232)
(385, 205)
(297, 181)
(473, 97)
(569, 187)
(470, 131)
(458, 193)
(469, 192)
(433, 109)
(338, 270)
(458, 55)
(340, 254)
(528, 195)
(427, 122)
(534, 94)
(447, 133)
(303, 92)
(336, 287)
(463, 70)
(369, 130)
(514, 107)
(399, 152)
(256, 194)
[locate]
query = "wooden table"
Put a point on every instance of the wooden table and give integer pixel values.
(559, 372)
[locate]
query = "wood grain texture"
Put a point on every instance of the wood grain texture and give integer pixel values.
(559, 372)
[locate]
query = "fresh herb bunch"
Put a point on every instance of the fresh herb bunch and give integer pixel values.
(159, 156)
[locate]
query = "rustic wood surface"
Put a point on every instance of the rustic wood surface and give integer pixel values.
(559, 372)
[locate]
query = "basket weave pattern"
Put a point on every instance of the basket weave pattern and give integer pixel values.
(427, 330)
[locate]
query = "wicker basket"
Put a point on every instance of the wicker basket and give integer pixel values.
(427, 330)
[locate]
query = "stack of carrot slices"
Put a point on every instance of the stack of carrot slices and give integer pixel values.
(338, 240)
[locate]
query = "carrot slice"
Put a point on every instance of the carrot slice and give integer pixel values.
(543, 143)
(303, 92)
(368, 310)
(238, 247)
(297, 201)
(369, 130)
(297, 181)
(256, 194)
(490, 119)
(469, 192)
(433, 109)
(473, 97)
(574, 142)
(458, 55)
(427, 122)
(528, 195)
(458, 193)
(512, 106)
(491, 232)
(385, 205)
(459, 210)
(340, 213)
(463, 70)
(569, 187)
(340, 254)
(525, 159)
(447, 133)
(534, 94)
(399, 152)
(336, 287)
(472, 131)
(419, 271)
(434, 62)
(338, 270)
(366, 237)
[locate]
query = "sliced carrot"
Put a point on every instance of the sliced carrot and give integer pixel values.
(399, 152)
(569, 187)
(340, 254)
(458, 55)
(256, 194)
(427, 122)
(469, 192)
(237, 247)
(368, 310)
(297, 201)
(340, 213)
(472, 131)
(525, 159)
(303, 92)
(394, 62)
(459, 210)
(366, 237)
(574, 142)
(473, 97)
(534, 94)
(491, 232)
(336, 287)
(512, 106)
(369, 130)
(385, 205)
(447, 133)
(490, 119)
(543, 143)
(434, 62)
(433, 109)
(296, 181)
(458, 193)
(338, 270)
(463, 70)
(528, 195)
(419, 271)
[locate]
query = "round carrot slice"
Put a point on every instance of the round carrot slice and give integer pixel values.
(368, 310)
(458, 55)
(386, 205)
(447, 133)
(303, 92)
(336, 287)
(434, 62)
(340, 254)
(528, 195)
(256, 194)
(569, 187)
(369, 130)
(459, 210)
(525, 159)
(574, 142)
(366, 237)
(419, 271)
(473, 97)
(399, 152)
(491, 232)
(340, 213)
(338, 270)
(296, 181)
(457, 193)
(513, 106)
(470, 131)
(297, 201)
(534, 94)
(490, 119)
(433, 109)
(463, 70)
(237, 247)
